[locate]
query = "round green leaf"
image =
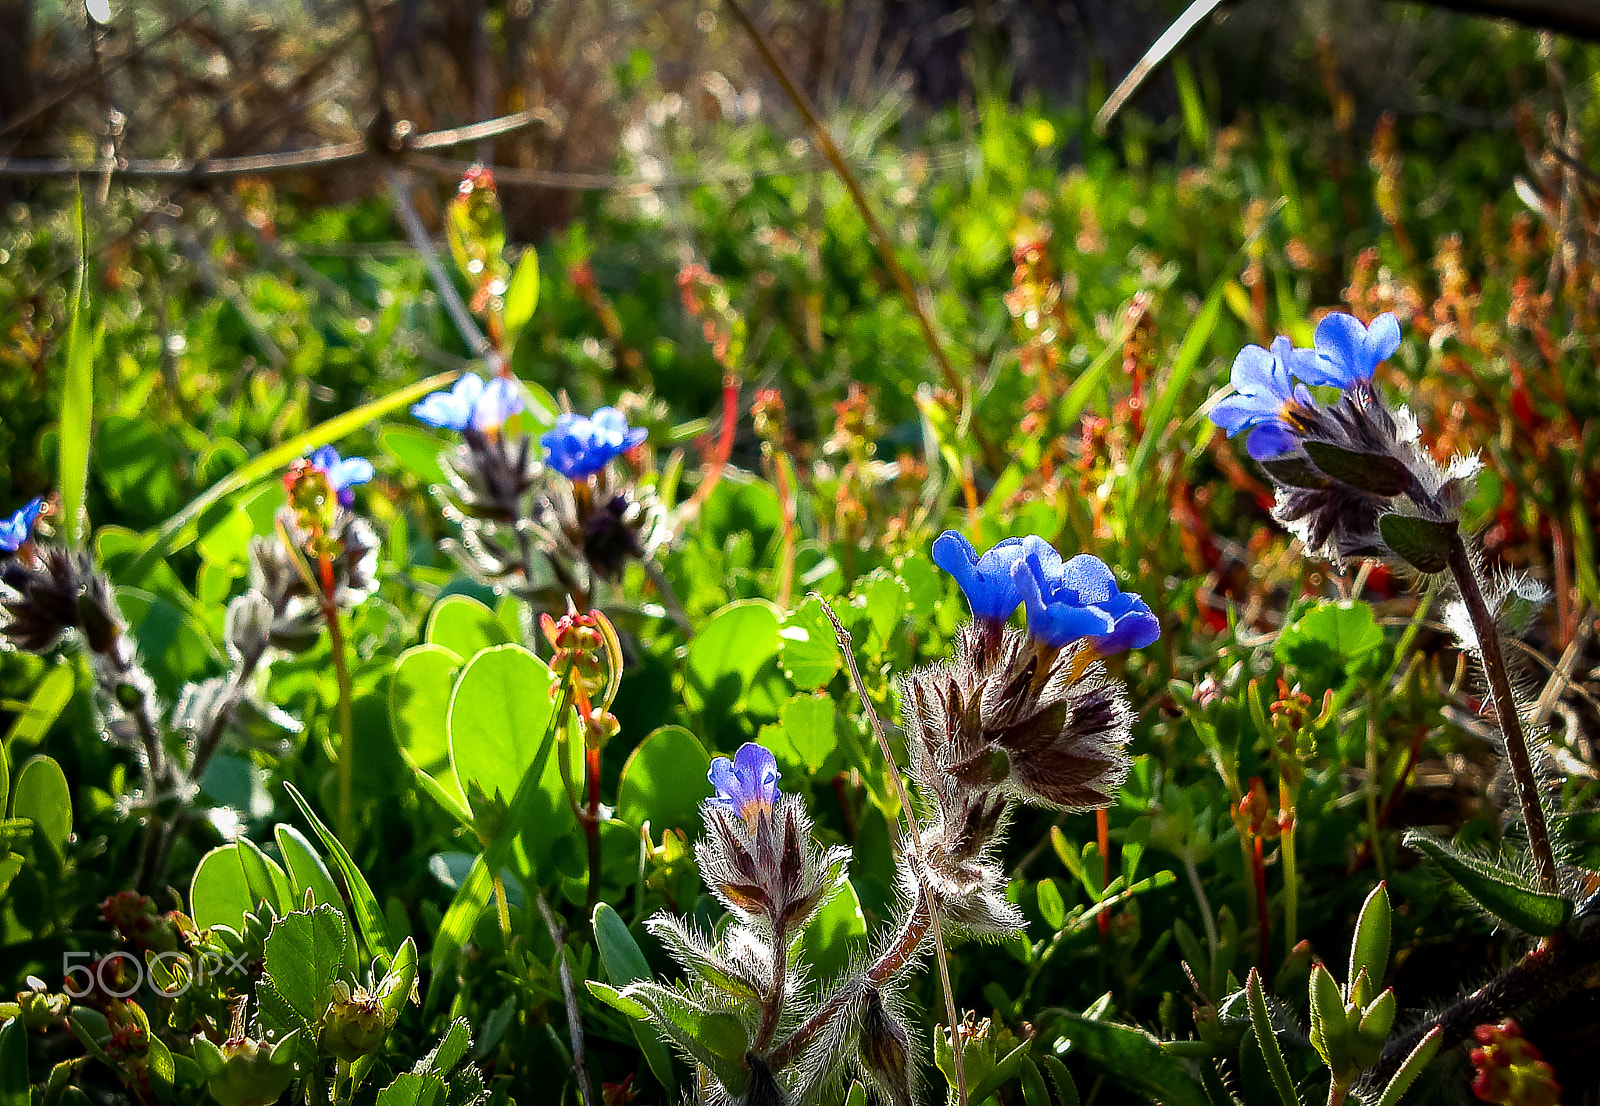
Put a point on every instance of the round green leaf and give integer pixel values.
(42, 796)
(809, 648)
(730, 653)
(219, 893)
(463, 625)
(419, 710)
(664, 781)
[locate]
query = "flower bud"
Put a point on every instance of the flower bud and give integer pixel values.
(245, 1072)
(885, 1047)
(355, 1023)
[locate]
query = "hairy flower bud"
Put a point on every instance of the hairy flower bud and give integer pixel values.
(885, 1045)
(355, 1023)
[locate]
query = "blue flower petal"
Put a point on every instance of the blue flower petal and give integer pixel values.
(1271, 440)
(1090, 581)
(985, 581)
(499, 400)
(1350, 351)
(579, 447)
(19, 527)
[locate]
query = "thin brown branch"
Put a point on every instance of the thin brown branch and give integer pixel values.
(289, 161)
(915, 297)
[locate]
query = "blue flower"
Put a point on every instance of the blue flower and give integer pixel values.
(484, 407)
(985, 581)
(579, 446)
(1347, 351)
(747, 785)
(343, 474)
(1076, 599)
(19, 527)
(1267, 400)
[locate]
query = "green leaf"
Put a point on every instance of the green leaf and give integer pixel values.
(1412, 1067)
(460, 918)
(664, 781)
(834, 935)
(1267, 1040)
(1066, 1091)
(1501, 893)
(728, 655)
(886, 601)
(1578, 832)
(500, 712)
(522, 296)
(137, 466)
(419, 712)
(857, 1095)
(714, 1038)
(463, 625)
(263, 878)
(304, 955)
(410, 1089)
(219, 893)
(621, 1003)
(805, 738)
(178, 530)
(809, 650)
(1420, 542)
(625, 964)
(42, 796)
(369, 918)
(306, 870)
(1329, 1023)
(1369, 947)
(49, 699)
(1051, 905)
(14, 1064)
(415, 450)
(77, 398)
(1135, 1058)
(1376, 473)
(1333, 643)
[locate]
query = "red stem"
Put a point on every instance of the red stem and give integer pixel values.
(1102, 830)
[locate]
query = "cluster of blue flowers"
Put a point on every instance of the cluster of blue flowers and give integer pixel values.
(578, 446)
(17, 529)
(1066, 600)
(1271, 399)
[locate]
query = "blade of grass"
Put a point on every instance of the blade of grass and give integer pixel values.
(179, 530)
(77, 399)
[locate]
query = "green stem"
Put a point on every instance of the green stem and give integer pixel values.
(1372, 783)
(1212, 941)
(1506, 712)
(1291, 889)
(344, 764)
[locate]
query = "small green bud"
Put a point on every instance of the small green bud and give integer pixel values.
(355, 1023)
(245, 1072)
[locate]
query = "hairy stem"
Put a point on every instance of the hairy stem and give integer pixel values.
(847, 647)
(900, 953)
(772, 1005)
(1506, 712)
